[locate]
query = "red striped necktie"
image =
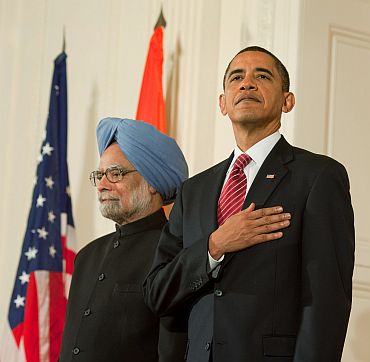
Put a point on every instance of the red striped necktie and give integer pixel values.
(234, 190)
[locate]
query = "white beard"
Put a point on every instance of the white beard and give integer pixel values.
(139, 201)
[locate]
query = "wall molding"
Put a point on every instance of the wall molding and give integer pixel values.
(339, 35)
(361, 290)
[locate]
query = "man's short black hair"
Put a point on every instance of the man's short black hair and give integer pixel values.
(279, 65)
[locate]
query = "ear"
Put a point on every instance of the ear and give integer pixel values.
(152, 190)
(289, 102)
(222, 104)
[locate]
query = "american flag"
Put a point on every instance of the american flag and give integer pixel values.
(38, 303)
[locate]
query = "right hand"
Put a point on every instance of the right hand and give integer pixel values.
(247, 228)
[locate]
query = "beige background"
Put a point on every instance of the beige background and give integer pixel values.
(325, 45)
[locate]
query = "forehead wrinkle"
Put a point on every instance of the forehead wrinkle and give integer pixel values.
(111, 166)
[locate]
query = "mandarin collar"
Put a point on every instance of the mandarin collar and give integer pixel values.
(152, 221)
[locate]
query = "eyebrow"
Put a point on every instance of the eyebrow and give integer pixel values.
(258, 69)
(235, 71)
(264, 70)
(112, 166)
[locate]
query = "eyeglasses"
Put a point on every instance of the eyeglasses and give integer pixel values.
(114, 174)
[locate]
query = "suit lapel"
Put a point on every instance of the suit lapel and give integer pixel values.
(269, 176)
(212, 186)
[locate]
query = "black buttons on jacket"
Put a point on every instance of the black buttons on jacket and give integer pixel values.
(116, 244)
(196, 284)
(76, 350)
(207, 347)
(87, 312)
(101, 276)
(218, 293)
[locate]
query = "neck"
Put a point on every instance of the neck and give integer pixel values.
(246, 137)
(143, 211)
(139, 215)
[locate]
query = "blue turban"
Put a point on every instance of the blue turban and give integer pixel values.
(156, 156)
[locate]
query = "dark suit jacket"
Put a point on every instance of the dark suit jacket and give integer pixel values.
(107, 319)
(285, 300)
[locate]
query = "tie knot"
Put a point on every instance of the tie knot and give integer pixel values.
(242, 161)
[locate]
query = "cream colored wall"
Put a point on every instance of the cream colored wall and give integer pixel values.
(106, 45)
(333, 117)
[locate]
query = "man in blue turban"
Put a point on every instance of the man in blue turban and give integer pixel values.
(140, 170)
(154, 155)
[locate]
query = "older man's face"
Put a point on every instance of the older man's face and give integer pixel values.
(127, 200)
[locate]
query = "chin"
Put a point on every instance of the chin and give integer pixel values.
(246, 119)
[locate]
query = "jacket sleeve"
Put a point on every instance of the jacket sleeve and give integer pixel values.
(178, 273)
(327, 266)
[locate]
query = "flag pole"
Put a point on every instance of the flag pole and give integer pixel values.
(64, 39)
(161, 20)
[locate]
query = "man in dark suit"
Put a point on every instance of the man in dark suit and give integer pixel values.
(244, 299)
(140, 169)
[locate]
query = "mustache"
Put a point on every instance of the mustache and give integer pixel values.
(248, 97)
(105, 197)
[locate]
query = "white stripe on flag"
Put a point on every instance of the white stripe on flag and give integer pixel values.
(70, 237)
(67, 284)
(9, 351)
(43, 297)
(63, 223)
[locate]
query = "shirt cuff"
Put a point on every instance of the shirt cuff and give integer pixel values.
(213, 263)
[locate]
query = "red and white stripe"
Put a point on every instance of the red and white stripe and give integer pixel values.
(38, 338)
(234, 190)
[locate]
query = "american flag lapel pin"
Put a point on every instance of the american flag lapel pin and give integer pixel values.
(270, 176)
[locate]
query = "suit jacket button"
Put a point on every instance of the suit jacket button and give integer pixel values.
(87, 312)
(116, 244)
(218, 293)
(101, 276)
(207, 346)
(76, 350)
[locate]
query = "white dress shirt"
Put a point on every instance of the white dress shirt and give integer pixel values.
(258, 153)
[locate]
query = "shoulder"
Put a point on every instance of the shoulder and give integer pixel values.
(315, 160)
(300, 156)
(307, 165)
(95, 247)
(204, 176)
(318, 169)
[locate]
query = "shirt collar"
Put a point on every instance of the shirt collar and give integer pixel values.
(259, 151)
(152, 221)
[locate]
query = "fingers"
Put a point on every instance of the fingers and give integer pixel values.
(249, 227)
(250, 208)
(261, 217)
(262, 238)
(280, 219)
(268, 232)
(271, 227)
(256, 214)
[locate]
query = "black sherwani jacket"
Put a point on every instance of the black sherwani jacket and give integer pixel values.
(285, 300)
(107, 319)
